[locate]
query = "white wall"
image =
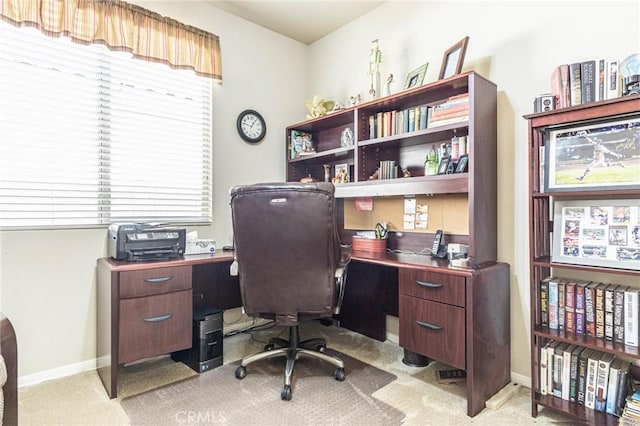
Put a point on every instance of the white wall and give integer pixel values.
(514, 44)
(47, 278)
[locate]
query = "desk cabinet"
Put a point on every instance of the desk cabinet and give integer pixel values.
(145, 309)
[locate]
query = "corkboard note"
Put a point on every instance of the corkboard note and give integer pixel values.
(447, 212)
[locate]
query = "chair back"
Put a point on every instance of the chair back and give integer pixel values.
(287, 249)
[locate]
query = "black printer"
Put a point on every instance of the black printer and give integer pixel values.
(144, 242)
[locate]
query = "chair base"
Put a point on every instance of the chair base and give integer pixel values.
(292, 350)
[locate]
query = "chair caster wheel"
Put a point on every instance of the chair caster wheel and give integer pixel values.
(285, 395)
(241, 372)
(339, 374)
(321, 348)
(269, 347)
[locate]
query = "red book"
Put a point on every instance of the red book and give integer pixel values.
(560, 86)
(569, 306)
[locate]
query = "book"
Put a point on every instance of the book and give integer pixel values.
(631, 328)
(553, 303)
(412, 119)
(602, 381)
(423, 117)
(613, 80)
(558, 357)
(608, 311)
(588, 81)
(542, 377)
(599, 310)
(624, 386)
(560, 86)
(590, 309)
(612, 387)
(618, 313)
(551, 351)
(583, 359)
(543, 302)
(575, 83)
(590, 382)
(566, 371)
(569, 306)
(579, 309)
(561, 296)
(601, 72)
(573, 372)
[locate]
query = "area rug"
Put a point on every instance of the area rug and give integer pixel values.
(217, 397)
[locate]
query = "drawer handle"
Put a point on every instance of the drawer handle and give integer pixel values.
(429, 325)
(429, 285)
(158, 318)
(158, 280)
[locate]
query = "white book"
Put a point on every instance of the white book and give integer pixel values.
(612, 387)
(566, 371)
(550, 359)
(590, 385)
(553, 303)
(602, 381)
(543, 368)
(613, 80)
(631, 307)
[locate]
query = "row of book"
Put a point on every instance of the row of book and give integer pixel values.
(389, 123)
(597, 380)
(599, 310)
(588, 81)
(631, 412)
(387, 170)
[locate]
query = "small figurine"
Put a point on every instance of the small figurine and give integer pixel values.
(389, 80)
(341, 177)
(318, 107)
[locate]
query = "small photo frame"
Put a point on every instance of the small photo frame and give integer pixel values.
(444, 165)
(461, 167)
(453, 59)
(341, 173)
(416, 77)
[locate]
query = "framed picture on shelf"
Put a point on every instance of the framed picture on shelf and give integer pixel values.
(453, 59)
(597, 233)
(416, 77)
(461, 166)
(341, 173)
(444, 165)
(600, 156)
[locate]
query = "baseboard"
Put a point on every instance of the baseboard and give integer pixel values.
(521, 380)
(56, 373)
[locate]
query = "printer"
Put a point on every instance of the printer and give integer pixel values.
(142, 242)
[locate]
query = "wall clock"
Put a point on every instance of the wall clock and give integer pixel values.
(251, 126)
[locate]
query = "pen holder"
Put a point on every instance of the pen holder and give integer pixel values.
(374, 245)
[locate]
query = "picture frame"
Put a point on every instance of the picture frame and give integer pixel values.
(461, 166)
(601, 155)
(341, 173)
(453, 59)
(416, 77)
(597, 233)
(444, 165)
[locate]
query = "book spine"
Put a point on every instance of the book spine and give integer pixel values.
(583, 359)
(608, 311)
(543, 369)
(618, 314)
(575, 82)
(613, 80)
(544, 302)
(561, 311)
(612, 387)
(602, 382)
(631, 326)
(553, 304)
(423, 117)
(557, 370)
(412, 119)
(588, 81)
(569, 306)
(566, 372)
(590, 385)
(599, 308)
(573, 373)
(580, 308)
(589, 310)
(602, 71)
(623, 387)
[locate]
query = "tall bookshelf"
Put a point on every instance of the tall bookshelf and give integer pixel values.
(543, 262)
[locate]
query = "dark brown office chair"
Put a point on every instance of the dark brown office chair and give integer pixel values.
(8, 373)
(289, 264)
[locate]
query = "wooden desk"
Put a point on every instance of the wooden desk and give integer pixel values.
(145, 309)
(456, 316)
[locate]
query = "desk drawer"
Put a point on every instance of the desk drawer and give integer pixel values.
(433, 286)
(154, 325)
(147, 282)
(435, 330)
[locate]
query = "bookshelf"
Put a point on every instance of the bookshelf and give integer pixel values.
(543, 223)
(409, 149)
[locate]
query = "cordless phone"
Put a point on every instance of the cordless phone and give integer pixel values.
(436, 249)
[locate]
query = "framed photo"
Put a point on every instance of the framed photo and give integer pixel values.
(444, 165)
(597, 232)
(461, 167)
(604, 155)
(453, 59)
(341, 173)
(416, 77)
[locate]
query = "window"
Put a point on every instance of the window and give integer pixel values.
(90, 136)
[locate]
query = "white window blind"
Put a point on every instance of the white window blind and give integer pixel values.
(89, 136)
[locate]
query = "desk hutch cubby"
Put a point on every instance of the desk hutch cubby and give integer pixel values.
(544, 264)
(458, 316)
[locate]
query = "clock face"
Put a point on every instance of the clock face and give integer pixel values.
(251, 126)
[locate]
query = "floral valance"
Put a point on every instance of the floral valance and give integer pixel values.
(121, 26)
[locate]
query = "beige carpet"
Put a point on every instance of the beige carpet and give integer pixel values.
(217, 397)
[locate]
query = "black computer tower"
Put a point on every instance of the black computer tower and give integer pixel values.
(206, 352)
